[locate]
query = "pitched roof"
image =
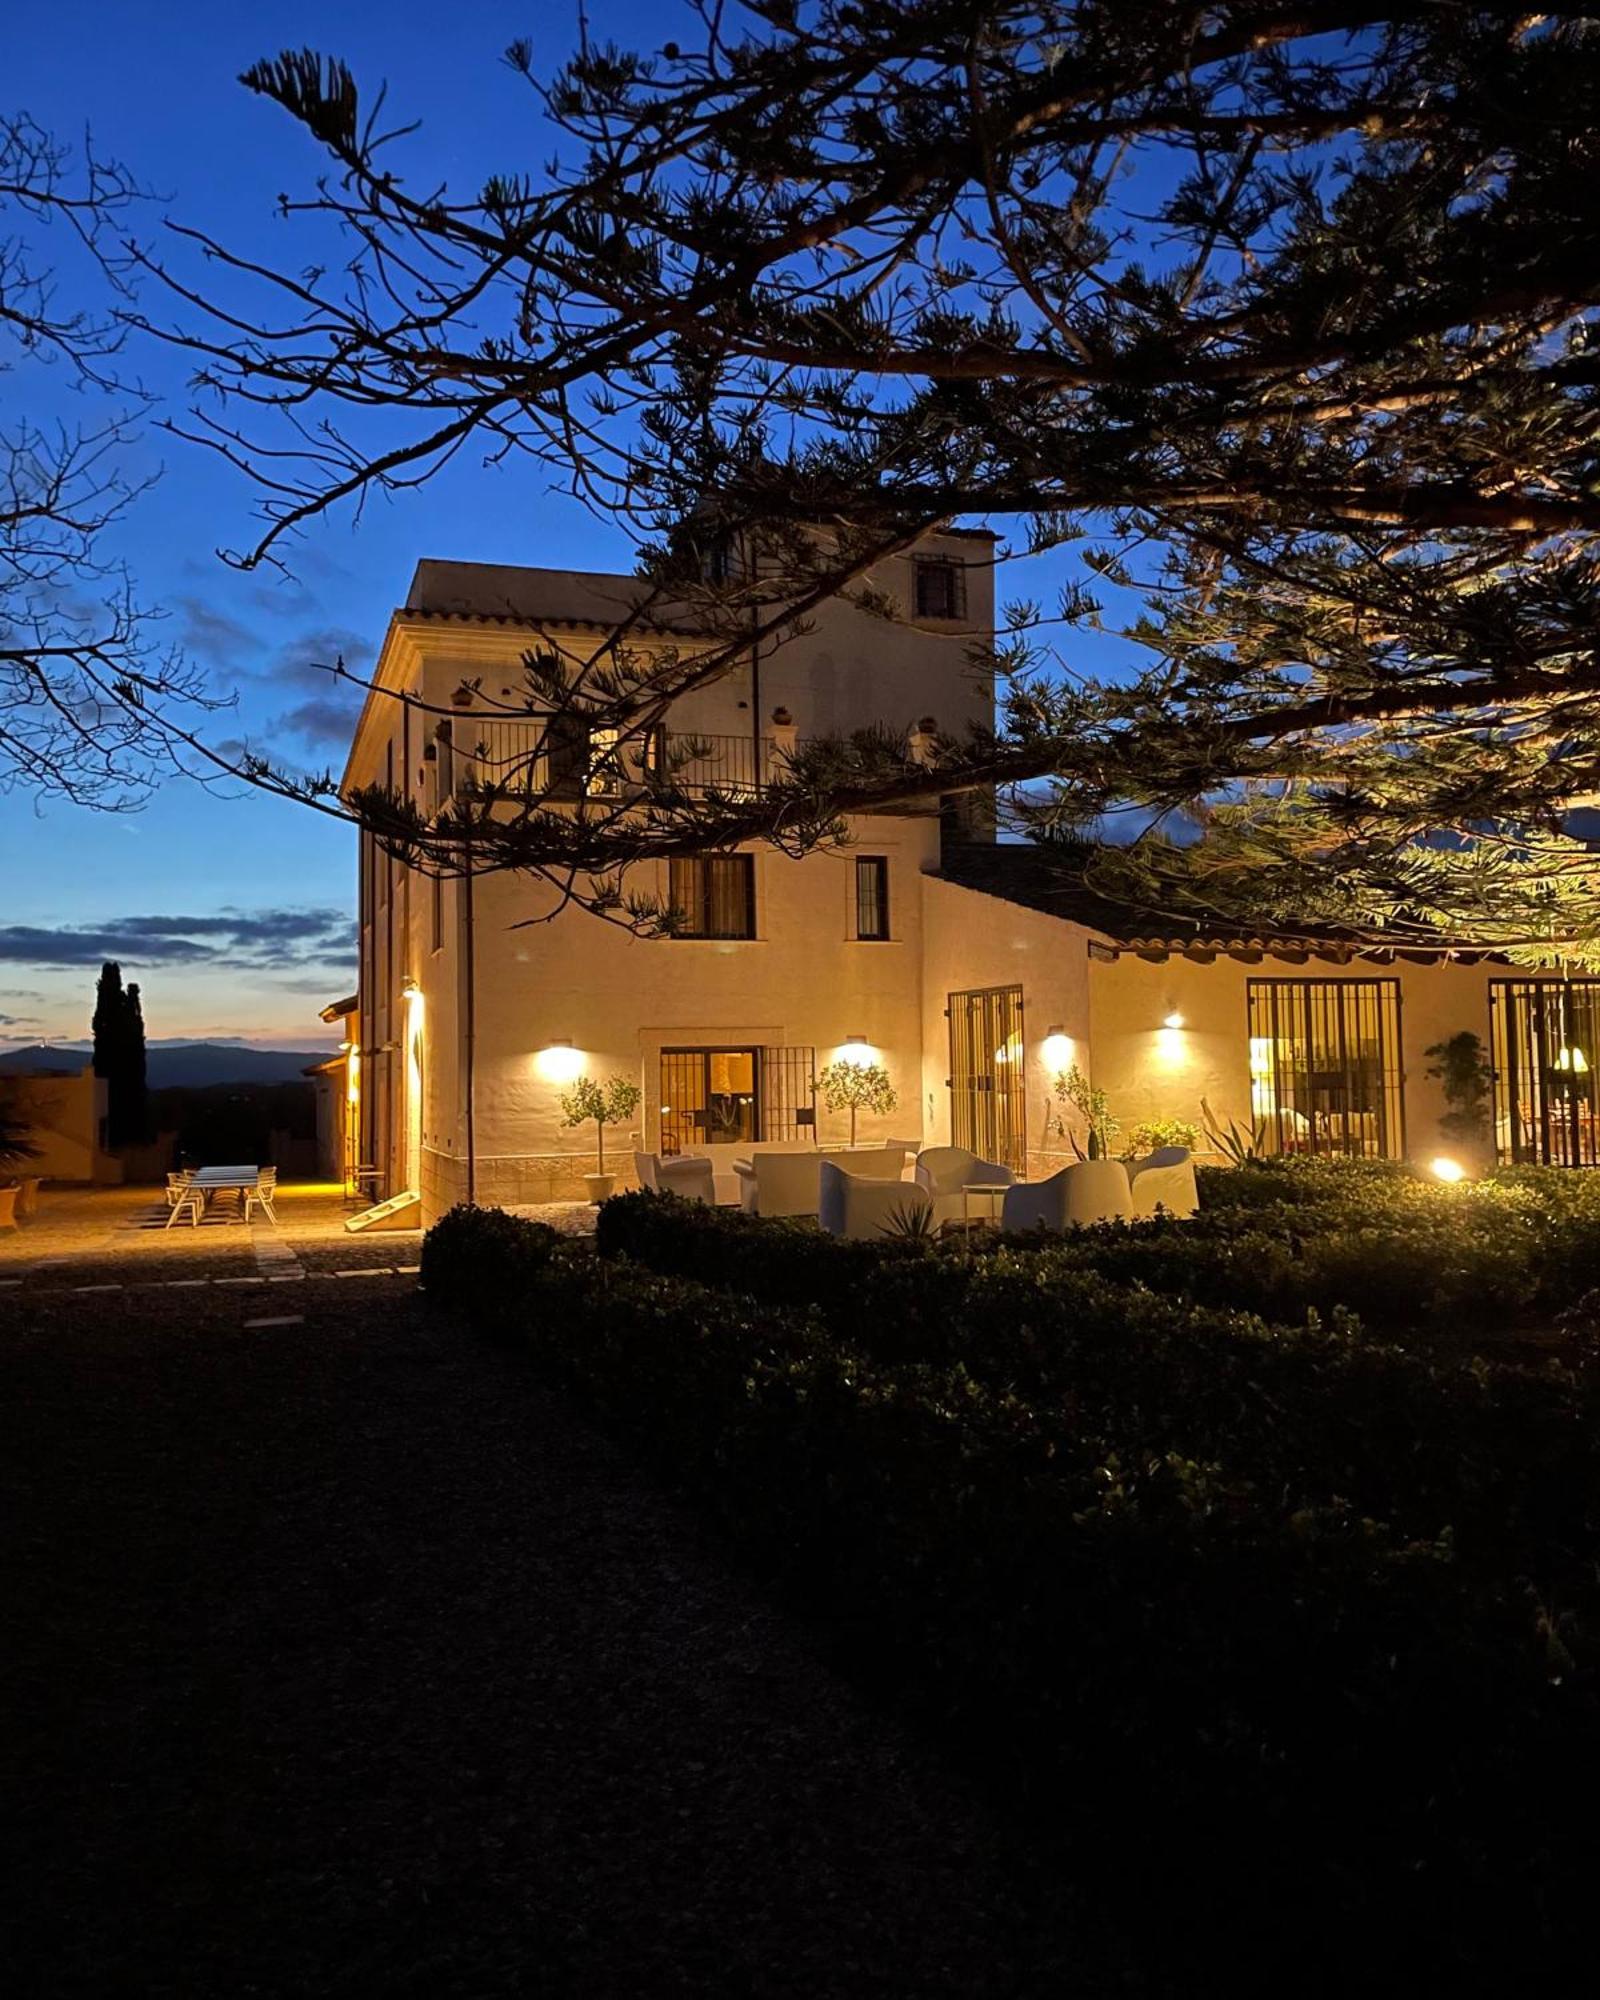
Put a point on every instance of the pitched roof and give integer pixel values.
(1019, 872)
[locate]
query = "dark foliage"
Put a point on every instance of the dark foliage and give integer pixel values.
(1138, 1574)
(119, 1057)
(1279, 321)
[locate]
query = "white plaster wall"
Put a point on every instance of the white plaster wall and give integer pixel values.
(63, 1114)
(804, 980)
(973, 940)
(1151, 1071)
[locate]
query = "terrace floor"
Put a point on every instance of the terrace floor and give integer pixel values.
(114, 1237)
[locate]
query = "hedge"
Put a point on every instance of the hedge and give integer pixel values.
(1502, 1458)
(1432, 1266)
(1279, 1708)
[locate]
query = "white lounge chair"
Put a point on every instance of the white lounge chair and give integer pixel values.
(943, 1171)
(781, 1183)
(1092, 1191)
(1165, 1181)
(860, 1210)
(689, 1177)
(176, 1183)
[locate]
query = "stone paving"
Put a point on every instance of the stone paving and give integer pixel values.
(112, 1239)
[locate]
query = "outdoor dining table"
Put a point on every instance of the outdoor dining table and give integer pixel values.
(222, 1180)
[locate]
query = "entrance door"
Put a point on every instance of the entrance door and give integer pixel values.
(988, 1101)
(709, 1097)
(1546, 1071)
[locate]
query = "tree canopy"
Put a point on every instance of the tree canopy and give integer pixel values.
(1277, 323)
(86, 687)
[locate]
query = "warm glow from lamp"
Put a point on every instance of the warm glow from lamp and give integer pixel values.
(560, 1062)
(1573, 1061)
(1447, 1170)
(1173, 1020)
(857, 1050)
(1056, 1049)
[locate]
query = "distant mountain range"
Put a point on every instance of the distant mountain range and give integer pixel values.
(195, 1063)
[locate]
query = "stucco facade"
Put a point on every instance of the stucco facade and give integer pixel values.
(481, 999)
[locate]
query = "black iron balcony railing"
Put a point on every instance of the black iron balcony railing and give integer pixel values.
(533, 760)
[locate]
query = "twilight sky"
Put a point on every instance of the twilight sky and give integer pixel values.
(235, 913)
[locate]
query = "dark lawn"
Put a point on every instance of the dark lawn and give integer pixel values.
(342, 1658)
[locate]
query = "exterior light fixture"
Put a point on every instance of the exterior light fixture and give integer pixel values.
(559, 1061)
(1173, 1020)
(857, 1049)
(1447, 1170)
(1056, 1048)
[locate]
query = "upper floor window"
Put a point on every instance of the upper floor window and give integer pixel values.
(715, 894)
(941, 587)
(872, 896)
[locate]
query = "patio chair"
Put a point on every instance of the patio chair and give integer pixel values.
(176, 1183)
(689, 1177)
(943, 1171)
(860, 1210)
(191, 1201)
(1165, 1181)
(1092, 1191)
(263, 1195)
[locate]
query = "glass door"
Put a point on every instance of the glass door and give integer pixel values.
(988, 1099)
(1546, 1035)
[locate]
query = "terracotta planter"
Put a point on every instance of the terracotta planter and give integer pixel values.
(8, 1207)
(601, 1187)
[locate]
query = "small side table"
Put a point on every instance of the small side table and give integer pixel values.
(992, 1189)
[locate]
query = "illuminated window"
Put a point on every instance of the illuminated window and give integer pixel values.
(1325, 1066)
(715, 894)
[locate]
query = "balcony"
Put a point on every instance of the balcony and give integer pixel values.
(526, 761)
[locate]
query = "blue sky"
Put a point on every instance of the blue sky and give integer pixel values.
(236, 913)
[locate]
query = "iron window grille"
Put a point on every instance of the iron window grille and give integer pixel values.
(1325, 1072)
(714, 895)
(721, 1096)
(872, 896)
(1545, 1036)
(988, 1098)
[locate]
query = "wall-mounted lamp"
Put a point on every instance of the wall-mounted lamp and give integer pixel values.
(1173, 1020)
(857, 1049)
(1056, 1048)
(559, 1062)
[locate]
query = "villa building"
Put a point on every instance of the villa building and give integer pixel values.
(966, 966)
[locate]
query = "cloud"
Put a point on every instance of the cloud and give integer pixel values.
(19, 1020)
(300, 665)
(246, 940)
(325, 721)
(203, 629)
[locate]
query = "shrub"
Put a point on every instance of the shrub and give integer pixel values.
(1128, 1571)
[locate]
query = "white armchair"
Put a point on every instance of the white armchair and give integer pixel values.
(943, 1171)
(1165, 1181)
(1092, 1191)
(860, 1210)
(690, 1178)
(784, 1183)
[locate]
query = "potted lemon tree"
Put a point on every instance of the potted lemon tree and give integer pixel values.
(856, 1087)
(611, 1101)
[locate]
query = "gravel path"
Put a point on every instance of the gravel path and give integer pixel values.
(342, 1658)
